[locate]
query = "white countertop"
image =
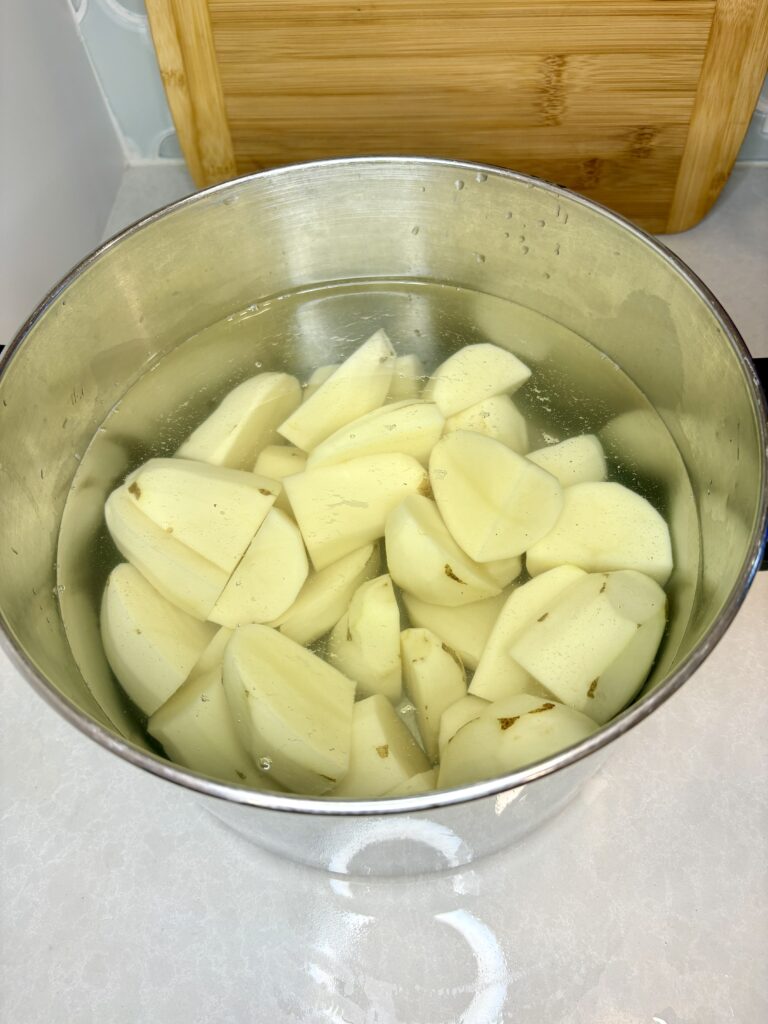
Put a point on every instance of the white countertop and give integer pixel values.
(644, 902)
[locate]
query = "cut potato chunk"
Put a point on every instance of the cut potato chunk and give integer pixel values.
(213, 510)
(465, 628)
(407, 378)
(421, 783)
(341, 508)
(602, 527)
(182, 576)
(269, 576)
(195, 724)
(495, 502)
(318, 377)
(620, 682)
(498, 674)
(583, 630)
(472, 374)
(245, 422)
(434, 679)
(279, 461)
(497, 417)
(151, 646)
(292, 711)
(424, 559)
(455, 717)
(383, 753)
(510, 734)
(326, 595)
(360, 384)
(365, 642)
(576, 460)
(412, 428)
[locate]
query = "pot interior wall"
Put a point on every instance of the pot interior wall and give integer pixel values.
(147, 293)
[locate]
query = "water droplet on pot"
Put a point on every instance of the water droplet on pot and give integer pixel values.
(458, 184)
(415, 229)
(480, 257)
(481, 177)
(524, 250)
(265, 764)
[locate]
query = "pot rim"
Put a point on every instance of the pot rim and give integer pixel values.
(605, 735)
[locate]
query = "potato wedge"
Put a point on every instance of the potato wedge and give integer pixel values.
(182, 576)
(326, 595)
(624, 677)
(213, 510)
(602, 527)
(292, 711)
(495, 503)
(195, 724)
(365, 642)
(465, 628)
(576, 460)
(409, 427)
(421, 783)
(383, 752)
(497, 417)
(360, 384)
(341, 508)
(151, 646)
(472, 374)
(434, 679)
(583, 630)
(498, 674)
(425, 560)
(268, 577)
(510, 734)
(456, 716)
(245, 422)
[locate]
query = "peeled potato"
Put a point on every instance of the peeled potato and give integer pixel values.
(434, 679)
(318, 377)
(505, 570)
(497, 417)
(365, 642)
(456, 716)
(620, 682)
(151, 646)
(195, 724)
(215, 511)
(245, 421)
(510, 734)
(407, 378)
(425, 560)
(576, 460)
(341, 508)
(278, 461)
(269, 576)
(498, 674)
(292, 711)
(472, 374)
(495, 502)
(409, 427)
(465, 628)
(421, 783)
(326, 595)
(178, 573)
(360, 384)
(383, 752)
(583, 630)
(602, 527)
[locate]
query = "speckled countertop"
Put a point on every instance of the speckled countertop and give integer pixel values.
(644, 902)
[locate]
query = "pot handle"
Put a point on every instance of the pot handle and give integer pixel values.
(761, 369)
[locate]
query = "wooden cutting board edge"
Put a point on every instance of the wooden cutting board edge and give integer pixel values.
(732, 74)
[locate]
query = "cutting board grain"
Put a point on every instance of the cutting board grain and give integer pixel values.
(639, 104)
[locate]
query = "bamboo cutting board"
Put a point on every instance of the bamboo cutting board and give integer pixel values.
(639, 104)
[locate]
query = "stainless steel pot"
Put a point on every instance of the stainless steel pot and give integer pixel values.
(190, 265)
